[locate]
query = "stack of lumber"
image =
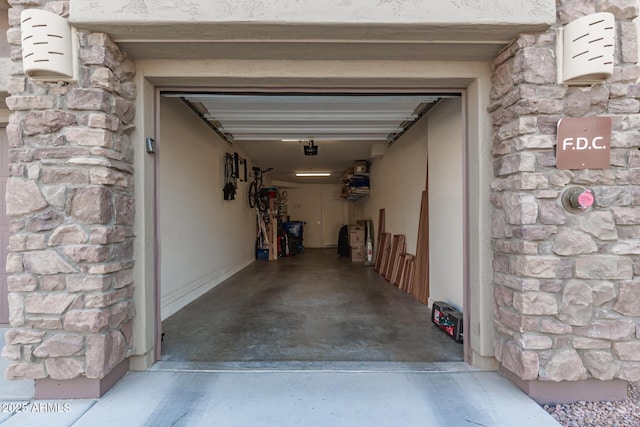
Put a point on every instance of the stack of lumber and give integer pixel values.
(420, 286)
(406, 271)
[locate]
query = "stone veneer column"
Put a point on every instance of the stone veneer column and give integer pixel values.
(567, 287)
(70, 196)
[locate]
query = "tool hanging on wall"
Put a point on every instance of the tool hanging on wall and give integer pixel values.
(230, 176)
(236, 169)
(244, 163)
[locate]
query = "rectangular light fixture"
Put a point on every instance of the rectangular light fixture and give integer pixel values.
(313, 174)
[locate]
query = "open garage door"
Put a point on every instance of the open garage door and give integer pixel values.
(208, 245)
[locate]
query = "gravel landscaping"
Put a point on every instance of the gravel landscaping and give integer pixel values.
(625, 413)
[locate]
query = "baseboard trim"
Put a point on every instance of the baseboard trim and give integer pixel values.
(80, 388)
(550, 392)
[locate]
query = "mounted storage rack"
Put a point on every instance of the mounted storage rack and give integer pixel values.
(355, 181)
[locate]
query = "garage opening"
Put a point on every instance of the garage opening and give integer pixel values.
(224, 303)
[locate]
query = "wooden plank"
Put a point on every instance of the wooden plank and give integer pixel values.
(420, 287)
(399, 246)
(396, 276)
(377, 247)
(404, 282)
(392, 253)
(411, 270)
(381, 223)
(405, 273)
(378, 262)
(386, 252)
(408, 273)
(384, 239)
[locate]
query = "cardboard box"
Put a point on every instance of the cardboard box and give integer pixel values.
(361, 166)
(358, 254)
(356, 235)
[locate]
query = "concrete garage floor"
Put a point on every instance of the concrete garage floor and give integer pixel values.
(314, 307)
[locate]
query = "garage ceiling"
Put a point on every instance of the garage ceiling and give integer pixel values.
(271, 129)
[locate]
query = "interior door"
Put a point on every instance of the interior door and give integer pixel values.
(334, 216)
(4, 226)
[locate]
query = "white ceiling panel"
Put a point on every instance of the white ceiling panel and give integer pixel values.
(274, 117)
(271, 128)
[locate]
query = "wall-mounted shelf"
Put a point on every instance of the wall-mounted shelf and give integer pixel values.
(355, 181)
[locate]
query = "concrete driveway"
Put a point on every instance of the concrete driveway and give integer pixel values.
(309, 395)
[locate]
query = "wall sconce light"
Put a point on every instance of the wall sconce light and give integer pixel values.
(49, 47)
(585, 48)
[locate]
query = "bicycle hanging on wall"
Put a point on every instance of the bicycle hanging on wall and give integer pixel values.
(266, 242)
(258, 195)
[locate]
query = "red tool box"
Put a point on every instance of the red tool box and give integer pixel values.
(448, 319)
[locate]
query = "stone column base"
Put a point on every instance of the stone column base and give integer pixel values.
(80, 388)
(550, 392)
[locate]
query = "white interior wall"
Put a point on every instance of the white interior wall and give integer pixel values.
(305, 203)
(204, 239)
(446, 208)
(397, 181)
(334, 214)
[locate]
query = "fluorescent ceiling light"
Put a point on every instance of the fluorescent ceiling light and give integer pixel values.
(313, 174)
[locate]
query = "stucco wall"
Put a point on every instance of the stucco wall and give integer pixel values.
(306, 203)
(446, 196)
(397, 181)
(392, 11)
(203, 238)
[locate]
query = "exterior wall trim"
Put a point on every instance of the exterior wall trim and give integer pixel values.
(81, 387)
(549, 392)
(466, 281)
(477, 348)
